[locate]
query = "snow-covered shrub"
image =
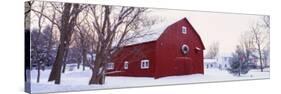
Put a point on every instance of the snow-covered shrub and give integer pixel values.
(42, 52)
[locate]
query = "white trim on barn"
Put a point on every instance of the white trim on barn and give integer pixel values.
(145, 64)
(110, 66)
(126, 65)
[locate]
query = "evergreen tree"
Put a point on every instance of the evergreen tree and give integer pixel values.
(240, 62)
(41, 56)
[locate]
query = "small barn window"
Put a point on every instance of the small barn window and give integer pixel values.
(197, 49)
(183, 29)
(144, 64)
(126, 65)
(110, 66)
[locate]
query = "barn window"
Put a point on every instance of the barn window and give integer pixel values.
(144, 64)
(126, 65)
(184, 49)
(110, 66)
(183, 29)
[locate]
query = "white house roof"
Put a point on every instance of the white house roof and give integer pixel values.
(210, 60)
(224, 55)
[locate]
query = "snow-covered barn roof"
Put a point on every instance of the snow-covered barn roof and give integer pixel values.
(155, 32)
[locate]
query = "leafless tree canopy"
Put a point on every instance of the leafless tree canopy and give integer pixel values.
(112, 28)
(213, 50)
(95, 30)
(256, 41)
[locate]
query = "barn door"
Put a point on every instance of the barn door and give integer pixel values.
(179, 67)
(183, 66)
(188, 67)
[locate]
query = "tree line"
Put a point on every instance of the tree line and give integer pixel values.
(254, 48)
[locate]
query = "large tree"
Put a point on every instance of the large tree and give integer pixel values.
(113, 27)
(260, 38)
(256, 41)
(38, 52)
(102, 33)
(67, 20)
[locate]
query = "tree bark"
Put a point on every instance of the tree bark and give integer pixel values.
(99, 69)
(38, 72)
(98, 72)
(85, 61)
(79, 63)
(260, 57)
(55, 72)
(63, 67)
(64, 60)
(69, 15)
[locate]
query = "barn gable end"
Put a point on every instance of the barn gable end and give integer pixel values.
(169, 53)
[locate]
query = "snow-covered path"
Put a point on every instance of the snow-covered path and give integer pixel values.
(78, 80)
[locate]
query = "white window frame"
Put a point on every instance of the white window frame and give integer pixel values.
(126, 65)
(145, 64)
(110, 66)
(184, 30)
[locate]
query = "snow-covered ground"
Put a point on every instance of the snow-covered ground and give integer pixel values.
(78, 80)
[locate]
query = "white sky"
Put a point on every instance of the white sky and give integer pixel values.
(225, 28)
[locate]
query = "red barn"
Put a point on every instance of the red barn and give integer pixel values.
(177, 51)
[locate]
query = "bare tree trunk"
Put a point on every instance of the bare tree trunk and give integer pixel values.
(85, 61)
(38, 72)
(69, 15)
(260, 58)
(98, 72)
(39, 29)
(83, 66)
(64, 61)
(258, 41)
(55, 72)
(240, 68)
(79, 63)
(50, 43)
(63, 67)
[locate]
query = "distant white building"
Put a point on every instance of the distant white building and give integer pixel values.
(210, 63)
(221, 62)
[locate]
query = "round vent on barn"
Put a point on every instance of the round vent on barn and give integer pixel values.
(184, 49)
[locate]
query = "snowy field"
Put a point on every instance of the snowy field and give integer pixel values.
(78, 80)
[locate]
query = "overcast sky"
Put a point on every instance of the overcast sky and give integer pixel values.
(225, 28)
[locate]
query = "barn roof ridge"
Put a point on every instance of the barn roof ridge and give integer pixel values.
(146, 42)
(163, 30)
(155, 38)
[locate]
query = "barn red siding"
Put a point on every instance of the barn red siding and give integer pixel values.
(170, 60)
(164, 54)
(134, 54)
